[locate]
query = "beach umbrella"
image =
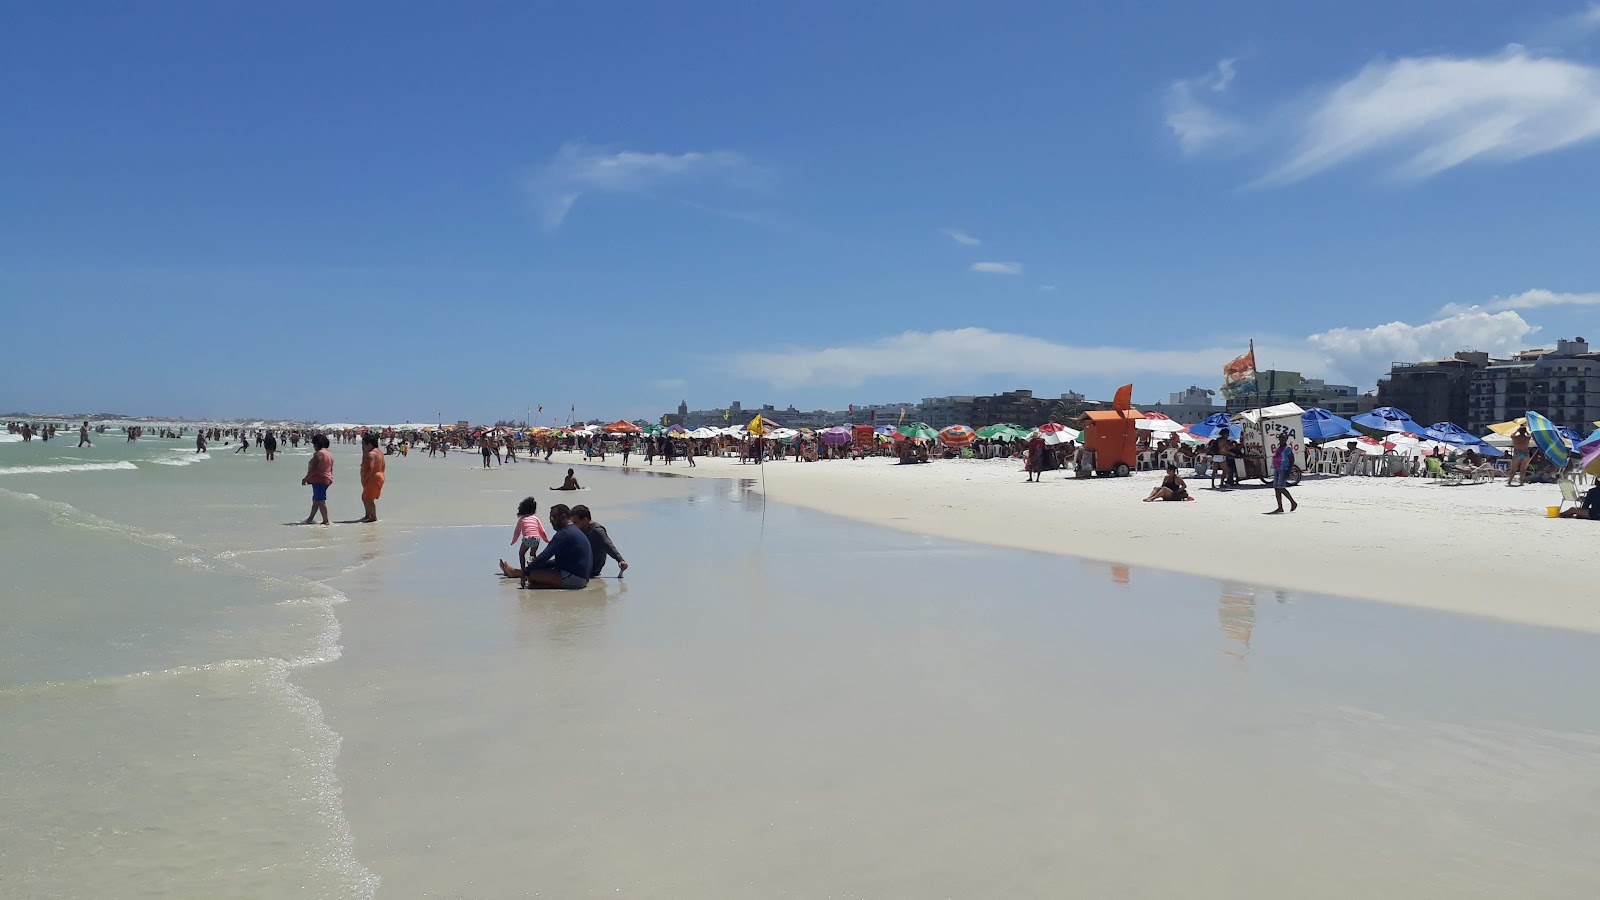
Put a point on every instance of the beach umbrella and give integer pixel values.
(1572, 436)
(1505, 429)
(1210, 426)
(1450, 433)
(919, 430)
(1590, 460)
(958, 435)
(1157, 423)
(1549, 439)
(835, 436)
(1318, 424)
(1062, 436)
(1386, 419)
(993, 432)
(1050, 428)
(886, 430)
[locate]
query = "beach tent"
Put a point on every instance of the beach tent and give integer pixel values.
(1264, 425)
(1386, 419)
(621, 427)
(1318, 424)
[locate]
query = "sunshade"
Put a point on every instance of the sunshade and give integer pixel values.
(1212, 426)
(621, 427)
(990, 432)
(918, 430)
(1049, 427)
(1157, 423)
(1318, 424)
(1507, 428)
(1590, 461)
(1062, 436)
(1386, 419)
(1549, 439)
(958, 435)
(1451, 433)
(835, 436)
(703, 433)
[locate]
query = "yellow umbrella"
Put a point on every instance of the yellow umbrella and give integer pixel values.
(1507, 428)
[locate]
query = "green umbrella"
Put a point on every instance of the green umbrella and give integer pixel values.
(918, 430)
(990, 432)
(654, 429)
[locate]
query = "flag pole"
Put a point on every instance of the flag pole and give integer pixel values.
(1261, 422)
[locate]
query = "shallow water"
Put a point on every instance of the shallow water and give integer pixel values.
(772, 703)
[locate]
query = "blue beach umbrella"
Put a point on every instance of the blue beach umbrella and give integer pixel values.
(1548, 438)
(1451, 433)
(1593, 440)
(1212, 426)
(1318, 424)
(1387, 419)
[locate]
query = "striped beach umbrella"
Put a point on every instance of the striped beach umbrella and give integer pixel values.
(1550, 441)
(958, 435)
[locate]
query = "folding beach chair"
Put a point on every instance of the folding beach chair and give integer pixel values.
(1569, 494)
(1437, 470)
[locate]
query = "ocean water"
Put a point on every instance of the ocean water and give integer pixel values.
(199, 700)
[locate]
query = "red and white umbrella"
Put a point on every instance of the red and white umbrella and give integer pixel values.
(1156, 423)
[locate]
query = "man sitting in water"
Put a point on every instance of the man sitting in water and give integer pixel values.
(1589, 509)
(600, 546)
(566, 562)
(570, 484)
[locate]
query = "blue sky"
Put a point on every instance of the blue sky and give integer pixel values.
(392, 211)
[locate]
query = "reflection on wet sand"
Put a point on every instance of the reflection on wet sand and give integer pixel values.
(566, 619)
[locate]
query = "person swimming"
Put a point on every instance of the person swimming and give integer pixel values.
(570, 484)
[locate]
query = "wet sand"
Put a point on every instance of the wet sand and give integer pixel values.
(782, 703)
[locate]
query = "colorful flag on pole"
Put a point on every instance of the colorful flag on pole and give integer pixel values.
(902, 416)
(1239, 376)
(726, 414)
(756, 427)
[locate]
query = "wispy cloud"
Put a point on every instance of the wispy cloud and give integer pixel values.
(1438, 112)
(997, 268)
(1537, 298)
(960, 237)
(1353, 354)
(1190, 114)
(579, 168)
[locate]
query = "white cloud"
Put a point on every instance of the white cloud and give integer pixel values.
(1190, 115)
(1047, 287)
(1360, 355)
(960, 237)
(669, 384)
(963, 353)
(1537, 298)
(1341, 355)
(1436, 112)
(997, 268)
(579, 168)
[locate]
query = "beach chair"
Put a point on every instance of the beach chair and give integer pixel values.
(1437, 470)
(1569, 494)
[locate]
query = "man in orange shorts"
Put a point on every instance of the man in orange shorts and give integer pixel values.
(372, 466)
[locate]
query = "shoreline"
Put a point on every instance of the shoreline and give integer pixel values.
(1477, 550)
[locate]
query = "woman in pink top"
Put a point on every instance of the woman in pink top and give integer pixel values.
(528, 533)
(319, 474)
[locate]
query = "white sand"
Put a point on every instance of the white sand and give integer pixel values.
(1483, 550)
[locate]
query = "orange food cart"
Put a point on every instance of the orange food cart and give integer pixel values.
(1112, 435)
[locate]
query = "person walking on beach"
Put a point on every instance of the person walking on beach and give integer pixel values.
(1282, 462)
(372, 477)
(1035, 463)
(483, 447)
(319, 474)
(627, 450)
(1521, 454)
(1219, 459)
(600, 546)
(83, 435)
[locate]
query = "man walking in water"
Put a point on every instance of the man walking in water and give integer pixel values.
(319, 474)
(83, 435)
(372, 466)
(1521, 452)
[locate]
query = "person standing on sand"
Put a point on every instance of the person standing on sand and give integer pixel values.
(83, 435)
(270, 442)
(1035, 463)
(372, 469)
(1521, 453)
(319, 474)
(483, 447)
(1282, 462)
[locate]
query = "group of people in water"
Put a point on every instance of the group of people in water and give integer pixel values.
(575, 548)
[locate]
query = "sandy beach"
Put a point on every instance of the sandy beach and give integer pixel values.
(1482, 550)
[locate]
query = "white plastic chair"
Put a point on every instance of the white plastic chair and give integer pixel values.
(1569, 494)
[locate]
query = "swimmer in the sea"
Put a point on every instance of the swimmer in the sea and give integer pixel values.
(570, 484)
